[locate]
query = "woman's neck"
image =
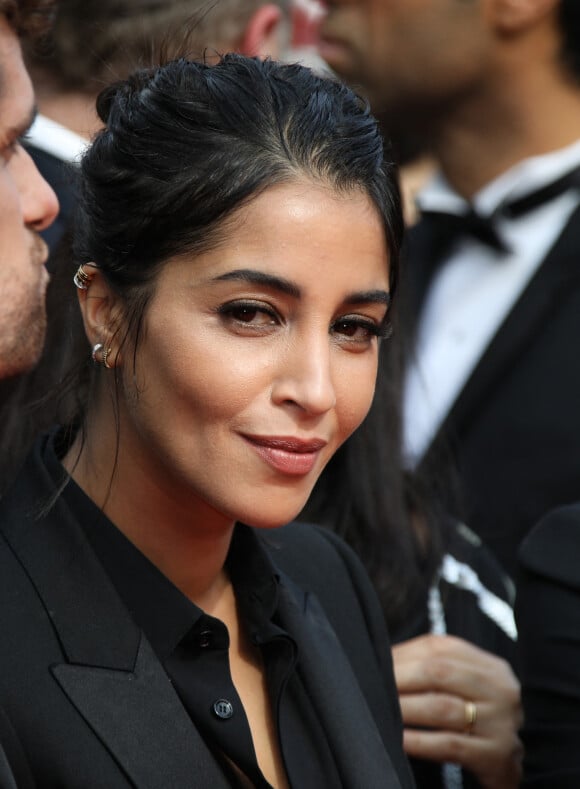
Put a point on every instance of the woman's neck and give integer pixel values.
(188, 541)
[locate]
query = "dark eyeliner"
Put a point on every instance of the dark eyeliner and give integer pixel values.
(229, 309)
(373, 329)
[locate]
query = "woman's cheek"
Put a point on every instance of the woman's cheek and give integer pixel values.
(355, 398)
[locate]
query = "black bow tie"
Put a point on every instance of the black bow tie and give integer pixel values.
(448, 228)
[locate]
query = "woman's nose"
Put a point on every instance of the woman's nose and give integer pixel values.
(305, 377)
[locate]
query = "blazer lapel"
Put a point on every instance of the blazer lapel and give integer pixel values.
(542, 297)
(360, 753)
(112, 675)
(139, 718)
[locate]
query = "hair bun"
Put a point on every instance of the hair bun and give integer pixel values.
(120, 93)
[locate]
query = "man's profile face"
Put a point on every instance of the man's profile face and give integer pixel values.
(409, 57)
(28, 205)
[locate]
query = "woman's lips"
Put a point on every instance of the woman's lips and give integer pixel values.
(286, 454)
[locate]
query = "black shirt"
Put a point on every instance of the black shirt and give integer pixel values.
(193, 647)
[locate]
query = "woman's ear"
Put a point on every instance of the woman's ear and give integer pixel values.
(101, 313)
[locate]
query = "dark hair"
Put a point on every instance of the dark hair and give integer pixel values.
(29, 18)
(570, 30)
(187, 144)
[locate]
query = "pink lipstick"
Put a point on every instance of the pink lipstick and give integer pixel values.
(286, 454)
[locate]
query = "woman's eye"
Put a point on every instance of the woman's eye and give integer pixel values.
(356, 329)
(248, 314)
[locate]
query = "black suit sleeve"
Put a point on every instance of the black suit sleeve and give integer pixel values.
(548, 619)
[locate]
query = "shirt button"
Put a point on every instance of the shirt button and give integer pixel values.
(205, 639)
(223, 709)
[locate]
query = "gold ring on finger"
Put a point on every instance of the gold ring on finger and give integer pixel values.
(470, 716)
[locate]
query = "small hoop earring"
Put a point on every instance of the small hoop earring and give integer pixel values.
(99, 349)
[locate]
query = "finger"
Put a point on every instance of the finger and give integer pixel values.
(443, 673)
(497, 764)
(451, 665)
(439, 711)
(443, 746)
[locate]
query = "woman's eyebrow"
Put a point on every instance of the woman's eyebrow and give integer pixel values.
(289, 288)
(261, 278)
(369, 297)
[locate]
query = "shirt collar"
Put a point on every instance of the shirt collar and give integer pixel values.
(524, 177)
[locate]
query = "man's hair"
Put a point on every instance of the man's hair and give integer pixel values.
(96, 41)
(570, 29)
(29, 18)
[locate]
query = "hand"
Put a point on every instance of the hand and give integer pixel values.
(436, 677)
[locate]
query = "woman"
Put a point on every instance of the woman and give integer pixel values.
(238, 241)
(447, 603)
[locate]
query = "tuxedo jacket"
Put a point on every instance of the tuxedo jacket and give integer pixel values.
(513, 434)
(87, 701)
(548, 618)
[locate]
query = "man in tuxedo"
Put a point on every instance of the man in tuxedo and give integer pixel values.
(491, 286)
(28, 204)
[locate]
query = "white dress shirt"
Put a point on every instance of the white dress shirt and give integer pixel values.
(53, 138)
(475, 289)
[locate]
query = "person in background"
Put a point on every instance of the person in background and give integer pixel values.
(236, 253)
(28, 207)
(491, 295)
(445, 76)
(28, 204)
(68, 74)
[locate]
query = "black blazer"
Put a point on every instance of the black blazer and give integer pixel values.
(514, 431)
(548, 618)
(89, 700)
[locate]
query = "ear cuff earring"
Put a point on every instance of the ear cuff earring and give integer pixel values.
(100, 355)
(82, 279)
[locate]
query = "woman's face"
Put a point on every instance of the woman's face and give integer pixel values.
(259, 357)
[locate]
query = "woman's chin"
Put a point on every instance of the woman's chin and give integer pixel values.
(273, 520)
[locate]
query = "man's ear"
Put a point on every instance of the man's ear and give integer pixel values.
(101, 313)
(263, 33)
(513, 16)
